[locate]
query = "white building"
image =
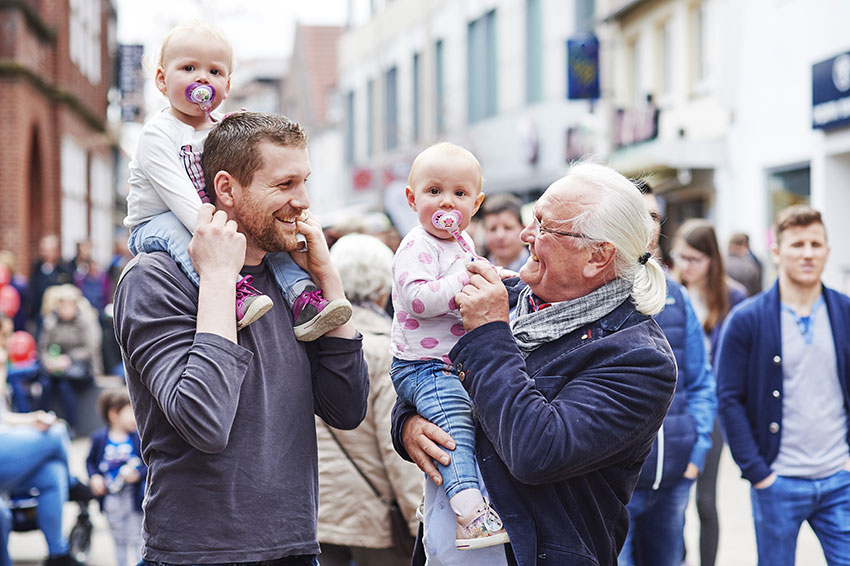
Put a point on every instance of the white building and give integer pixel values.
(487, 74)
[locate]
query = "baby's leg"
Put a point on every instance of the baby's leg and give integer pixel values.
(313, 315)
(165, 233)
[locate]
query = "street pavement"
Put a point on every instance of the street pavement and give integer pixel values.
(737, 540)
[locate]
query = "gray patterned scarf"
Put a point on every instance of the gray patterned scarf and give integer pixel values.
(532, 329)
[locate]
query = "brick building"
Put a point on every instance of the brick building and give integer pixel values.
(57, 158)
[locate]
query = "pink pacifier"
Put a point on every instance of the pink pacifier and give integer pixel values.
(202, 95)
(450, 222)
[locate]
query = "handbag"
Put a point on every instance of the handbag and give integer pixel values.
(403, 541)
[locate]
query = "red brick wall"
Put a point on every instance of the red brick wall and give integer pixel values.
(34, 122)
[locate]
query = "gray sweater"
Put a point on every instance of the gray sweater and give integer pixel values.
(228, 430)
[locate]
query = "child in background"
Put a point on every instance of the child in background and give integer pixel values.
(429, 269)
(117, 473)
(167, 185)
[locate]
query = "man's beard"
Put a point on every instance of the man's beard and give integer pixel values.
(262, 229)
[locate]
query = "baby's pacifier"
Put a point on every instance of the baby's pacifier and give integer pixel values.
(447, 220)
(202, 95)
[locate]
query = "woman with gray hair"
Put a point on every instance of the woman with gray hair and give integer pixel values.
(354, 522)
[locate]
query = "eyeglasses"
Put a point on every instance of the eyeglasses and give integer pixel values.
(679, 257)
(539, 228)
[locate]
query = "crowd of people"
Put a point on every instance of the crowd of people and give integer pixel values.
(559, 389)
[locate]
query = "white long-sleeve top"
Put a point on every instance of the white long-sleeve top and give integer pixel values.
(427, 274)
(159, 181)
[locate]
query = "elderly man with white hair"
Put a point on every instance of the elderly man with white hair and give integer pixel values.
(569, 376)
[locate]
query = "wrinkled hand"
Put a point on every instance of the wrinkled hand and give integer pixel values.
(97, 485)
(484, 299)
(422, 440)
(217, 249)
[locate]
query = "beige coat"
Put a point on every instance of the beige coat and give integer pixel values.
(349, 512)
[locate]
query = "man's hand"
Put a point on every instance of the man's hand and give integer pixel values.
(766, 482)
(484, 299)
(317, 262)
(97, 485)
(217, 249)
(422, 440)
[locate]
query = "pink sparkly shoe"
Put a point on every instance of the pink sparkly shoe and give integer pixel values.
(314, 316)
(483, 527)
(251, 304)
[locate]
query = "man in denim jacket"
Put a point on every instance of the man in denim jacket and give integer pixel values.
(570, 389)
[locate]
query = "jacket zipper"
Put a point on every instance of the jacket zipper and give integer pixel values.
(659, 462)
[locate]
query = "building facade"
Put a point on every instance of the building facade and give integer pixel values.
(56, 166)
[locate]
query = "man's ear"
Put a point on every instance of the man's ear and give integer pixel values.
(411, 200)
(601, 260)
(225, 187)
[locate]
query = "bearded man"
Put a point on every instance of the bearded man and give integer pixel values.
(226, 417)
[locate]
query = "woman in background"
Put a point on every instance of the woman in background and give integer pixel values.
(698, 265)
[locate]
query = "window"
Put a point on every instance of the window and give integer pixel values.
(84, 37)
(391, 105)
(349, 128)
(481, 68)
(533, 51)
(370, 118)
(439, 88)
(415, 102)
(700, 69)
(788, 186)
(665, 52)
(636, 95)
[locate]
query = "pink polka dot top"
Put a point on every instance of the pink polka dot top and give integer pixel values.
(427, 274)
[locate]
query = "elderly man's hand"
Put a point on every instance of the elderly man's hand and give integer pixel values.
(422, 440)
(484, 299)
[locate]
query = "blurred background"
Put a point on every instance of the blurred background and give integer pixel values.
(733, 109)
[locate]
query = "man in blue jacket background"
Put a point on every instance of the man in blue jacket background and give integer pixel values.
(783, 374)
(657, 508)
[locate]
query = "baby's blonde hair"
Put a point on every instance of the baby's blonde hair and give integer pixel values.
(445, 148)
(200, 28)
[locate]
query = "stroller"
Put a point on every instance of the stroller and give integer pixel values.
(24, 508)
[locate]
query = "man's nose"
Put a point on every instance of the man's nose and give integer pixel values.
(300, 199)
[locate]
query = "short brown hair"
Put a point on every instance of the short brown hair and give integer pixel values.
(232, 145)
(502, 202)
(796, 215)
(112, 399)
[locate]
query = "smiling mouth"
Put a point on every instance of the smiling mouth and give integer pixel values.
(286, 220)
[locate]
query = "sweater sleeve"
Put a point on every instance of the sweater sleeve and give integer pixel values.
(699, 386)
(194, 377)
(340, 381)
(736, 343)
(159, 159)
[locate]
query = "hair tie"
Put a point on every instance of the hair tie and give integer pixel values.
(644, 258)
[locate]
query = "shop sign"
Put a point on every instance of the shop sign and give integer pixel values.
(831, 92)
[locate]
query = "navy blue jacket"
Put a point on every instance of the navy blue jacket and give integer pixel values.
(561, 435)
(750, 379)
(99, 440)
(686, 435)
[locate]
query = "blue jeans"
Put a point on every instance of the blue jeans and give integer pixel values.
(17, 378)
(780, 509)
(33, 459)
(165, 233)
(5, 529)
(656, 526)
(434, 388)
(300, 560)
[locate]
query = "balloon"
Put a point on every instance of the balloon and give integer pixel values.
(10, 301)
(21, 347)
(5, 275)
